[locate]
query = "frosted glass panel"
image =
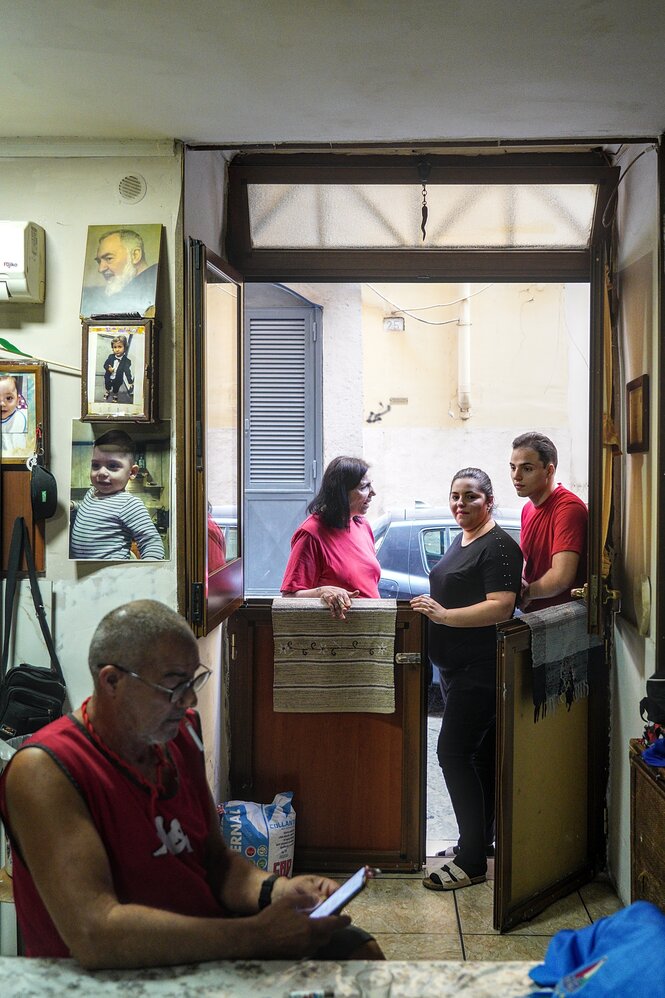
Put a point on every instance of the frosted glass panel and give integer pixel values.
(388, 216)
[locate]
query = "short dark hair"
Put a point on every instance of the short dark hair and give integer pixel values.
(542, 445)
(119, 440)
(332, 500)
(131, 634)
(482, 480)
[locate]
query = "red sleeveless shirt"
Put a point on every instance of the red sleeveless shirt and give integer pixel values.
(156, 850)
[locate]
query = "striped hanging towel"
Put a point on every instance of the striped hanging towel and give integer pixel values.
(560, 650)
(328, 665)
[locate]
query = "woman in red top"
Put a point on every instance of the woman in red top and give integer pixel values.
(332, 552)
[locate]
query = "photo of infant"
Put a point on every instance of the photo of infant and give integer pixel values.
(17, 404)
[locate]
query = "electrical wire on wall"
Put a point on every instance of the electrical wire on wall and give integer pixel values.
(608, 216)
(6, 347)
(422, 308)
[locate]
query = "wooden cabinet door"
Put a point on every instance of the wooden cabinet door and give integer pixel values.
(357, 778)
(647, 819)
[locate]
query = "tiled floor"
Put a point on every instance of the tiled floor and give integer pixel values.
(411, 923)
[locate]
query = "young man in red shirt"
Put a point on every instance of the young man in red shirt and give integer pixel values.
(554, 525)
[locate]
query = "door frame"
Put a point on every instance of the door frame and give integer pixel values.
(501, 265)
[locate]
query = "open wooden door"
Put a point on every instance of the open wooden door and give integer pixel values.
(212, 402)
(357, 778)
(552, 775)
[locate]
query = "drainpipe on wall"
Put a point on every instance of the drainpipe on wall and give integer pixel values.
(464, 355)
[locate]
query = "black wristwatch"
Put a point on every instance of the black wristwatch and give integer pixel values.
(265, 894)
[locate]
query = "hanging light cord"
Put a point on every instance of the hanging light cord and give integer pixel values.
(421, 308)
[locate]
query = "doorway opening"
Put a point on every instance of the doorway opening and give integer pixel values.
(421, 380)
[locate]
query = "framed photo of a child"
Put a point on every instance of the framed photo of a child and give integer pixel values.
(120, 505)
(117, 380)
(23, 404)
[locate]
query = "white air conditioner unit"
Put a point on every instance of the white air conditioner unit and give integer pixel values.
(21, 262)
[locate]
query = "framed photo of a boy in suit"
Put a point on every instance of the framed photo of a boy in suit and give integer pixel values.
(117, 382)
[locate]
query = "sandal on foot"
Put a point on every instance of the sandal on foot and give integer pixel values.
(450, 877)
(452, 851)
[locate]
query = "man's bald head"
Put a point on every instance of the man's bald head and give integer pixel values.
(133, 633)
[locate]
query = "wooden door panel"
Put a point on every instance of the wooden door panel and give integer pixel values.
(357, 778)
(551, 777)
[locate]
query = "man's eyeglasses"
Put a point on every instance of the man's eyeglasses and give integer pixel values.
(179, 691)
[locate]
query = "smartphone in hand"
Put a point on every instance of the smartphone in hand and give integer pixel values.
(334, 904)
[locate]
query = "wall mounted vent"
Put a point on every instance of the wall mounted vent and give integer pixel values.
(132, 188)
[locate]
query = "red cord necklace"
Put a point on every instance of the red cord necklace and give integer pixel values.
(154, 789)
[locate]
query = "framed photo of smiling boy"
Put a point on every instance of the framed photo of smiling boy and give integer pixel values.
(117, 382)
(120, 500)
(22, 402)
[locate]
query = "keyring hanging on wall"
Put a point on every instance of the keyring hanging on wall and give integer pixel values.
(38, 456)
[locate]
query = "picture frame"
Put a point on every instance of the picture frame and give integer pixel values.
(120, 275)
(637, 415)
(23, 387)
(115, 471)
(118, 371)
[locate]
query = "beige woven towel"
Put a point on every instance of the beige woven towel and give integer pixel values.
(327, 665)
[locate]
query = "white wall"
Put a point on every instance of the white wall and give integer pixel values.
(65, 187)
(634, 658)
(528, 370)
(342, 366)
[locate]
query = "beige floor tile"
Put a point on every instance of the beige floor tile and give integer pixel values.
(506, 947)
(403, 906)
(568, 913)
(476, 911)
(600, 898)
(475, 906)
(419, 946)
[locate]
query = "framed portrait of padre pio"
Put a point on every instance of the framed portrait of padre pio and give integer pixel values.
(118, 380)
(23, 405)
(121, 270)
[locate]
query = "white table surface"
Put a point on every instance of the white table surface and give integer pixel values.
(24, 978)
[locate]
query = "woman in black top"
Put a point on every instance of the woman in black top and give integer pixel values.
(472, 587)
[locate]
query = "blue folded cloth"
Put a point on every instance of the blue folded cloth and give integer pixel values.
(655, 753)
(621, 955)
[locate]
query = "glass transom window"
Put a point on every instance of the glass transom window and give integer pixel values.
(388, 216)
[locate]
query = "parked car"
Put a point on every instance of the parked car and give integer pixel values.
(409, 542)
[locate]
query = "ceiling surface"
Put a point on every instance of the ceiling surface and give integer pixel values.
(332, 71)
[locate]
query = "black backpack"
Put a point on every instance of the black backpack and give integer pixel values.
(652, 707)
(30, 696)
